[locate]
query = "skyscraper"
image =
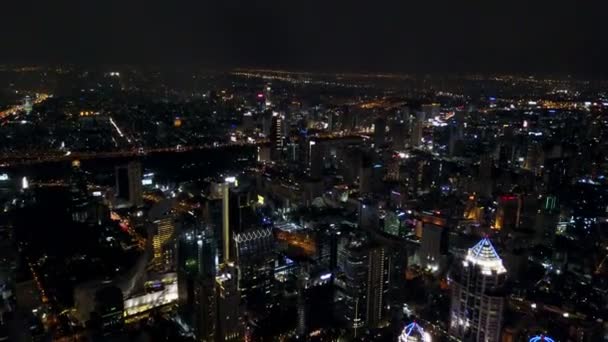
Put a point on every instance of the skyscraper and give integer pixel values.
(508, 213)
(163, 242)
(128, 185)
(196, 270)
(228, 324)
(255, 259)
(478, 298)
(432, 245)
(79, 194)
(379, 132)
(366, 272)
(277, 135)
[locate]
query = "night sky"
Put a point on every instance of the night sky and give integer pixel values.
(561, 36)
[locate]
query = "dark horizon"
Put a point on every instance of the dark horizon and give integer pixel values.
(434, 37)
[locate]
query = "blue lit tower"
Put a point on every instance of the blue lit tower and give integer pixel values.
(478, 297)
(414, 333)
(541, 338)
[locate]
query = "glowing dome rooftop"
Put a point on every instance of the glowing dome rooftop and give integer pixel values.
(484, 255)
(541, 338)
(414, 333)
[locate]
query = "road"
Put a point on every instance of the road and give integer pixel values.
(7, 113)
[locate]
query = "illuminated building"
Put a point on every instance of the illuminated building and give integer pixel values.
(432, 245)
(477, 298)
(162, 242)
(276, 135)
(196, 270)
(255, 259)
(128, 184)
(413, 332)
(228, 324)
(366, 272)
(508, 213)
(177, 122)
(79, 195)
(315, 159)
(397, 131)
(28, 105)
(541, 338)
(417, 130)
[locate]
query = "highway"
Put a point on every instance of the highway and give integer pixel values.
(32, 159)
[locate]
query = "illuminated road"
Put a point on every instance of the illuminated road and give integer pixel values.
(7, 113)
(29, 159)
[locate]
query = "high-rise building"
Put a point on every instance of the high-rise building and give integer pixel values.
(228, 325)
(79, 194)
(397, 132)
(196, 270)
(163, 242)
(109, 305)
(417, 131)
(277, 136)
(478, 298)
(315, 159)
(128, 185)
(377, 286)
(413, 332)
(432, 245)
(366, 272)
(379, 132)
(508, 213)
(255, 258)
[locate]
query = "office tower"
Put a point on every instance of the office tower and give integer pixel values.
(303, 305)
(276, 136)
(417, 131)
(225, 236)
(196, 269)
(128, 184)
(369, 218)
(315, 159)
(397, 131)
(228, 325)
(79, 194)
(485, 181)
(413, 332)
(508, 213)
(377, 286)
(355, 272)
(109, 306)
(366, 272)
(347, 119)
(255, 258)
(535, 158)
(163, 242)
(379, 132)
(478, 298)
(433, 245)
